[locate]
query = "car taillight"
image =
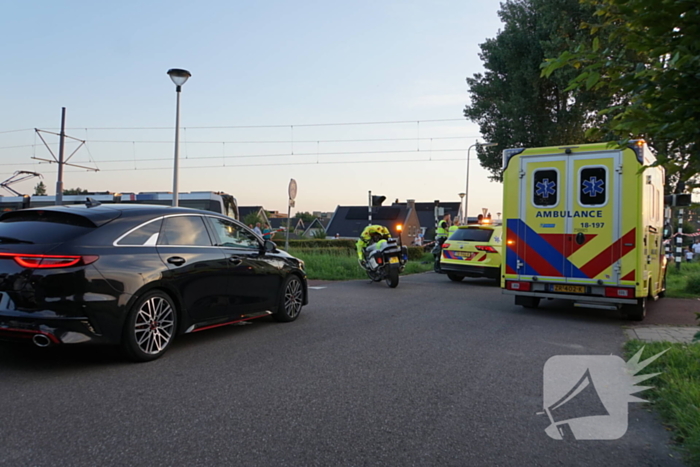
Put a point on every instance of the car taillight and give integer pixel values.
(445, 245)
(522, 286)
(619, 292)
(49, 261)
(486, 248)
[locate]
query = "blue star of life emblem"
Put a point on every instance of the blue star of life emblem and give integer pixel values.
(592, 187)
(545, 188)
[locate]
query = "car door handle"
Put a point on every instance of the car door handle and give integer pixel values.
(235, 260)
(176, 260)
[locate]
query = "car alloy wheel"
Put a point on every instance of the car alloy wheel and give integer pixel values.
(154, 325)
(150, 327)
(293, 298)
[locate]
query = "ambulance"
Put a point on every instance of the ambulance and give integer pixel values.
(584, 223)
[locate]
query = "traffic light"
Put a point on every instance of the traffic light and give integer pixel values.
(677, 200)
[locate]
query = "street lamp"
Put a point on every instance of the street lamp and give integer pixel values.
(461, 215)
(179, 77)
(466, 195)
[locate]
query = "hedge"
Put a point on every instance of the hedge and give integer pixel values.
(322, 243)
(340, 248)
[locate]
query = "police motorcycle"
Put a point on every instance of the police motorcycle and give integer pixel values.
(384, 259)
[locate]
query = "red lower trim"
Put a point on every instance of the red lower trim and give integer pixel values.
(21, 333)
(227, 323)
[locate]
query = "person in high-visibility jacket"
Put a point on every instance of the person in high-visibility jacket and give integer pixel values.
(453, 228)
(371, 234)
(443, 229)
(441, 234)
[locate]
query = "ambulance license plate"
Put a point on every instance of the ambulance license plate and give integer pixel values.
(466, 256)
(569, 288)
(393, 259)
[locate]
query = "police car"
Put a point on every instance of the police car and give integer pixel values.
(472, 251)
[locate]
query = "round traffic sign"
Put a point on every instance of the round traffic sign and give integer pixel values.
(292, 189)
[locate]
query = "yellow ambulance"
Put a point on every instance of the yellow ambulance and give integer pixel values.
(584, 223)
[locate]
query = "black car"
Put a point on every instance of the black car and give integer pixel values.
(137, 276)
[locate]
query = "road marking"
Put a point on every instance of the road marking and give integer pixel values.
(317, 288)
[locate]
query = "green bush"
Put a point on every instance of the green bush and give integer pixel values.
(692, 284)
(415, 253)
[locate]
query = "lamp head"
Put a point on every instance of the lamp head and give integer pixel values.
(179, 76)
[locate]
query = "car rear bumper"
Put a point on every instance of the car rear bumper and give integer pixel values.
(478, 271)
(67, 322)
(576, 298)
(58, 331)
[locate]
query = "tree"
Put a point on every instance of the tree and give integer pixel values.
(75, 191)
(512, 103)
(644, 54)
(252, 218)
(304, 216)
(40, 189)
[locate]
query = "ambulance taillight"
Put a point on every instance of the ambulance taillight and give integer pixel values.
(518, 285)
(619, 292)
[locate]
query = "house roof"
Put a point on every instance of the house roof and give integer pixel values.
(426, 212)
(245, 210)
(314, 225)
(279, 222)
(349, 221)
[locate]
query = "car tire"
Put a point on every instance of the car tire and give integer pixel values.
(455, 277)
(290, 301)
(636, 312)
(150, 327)
(527, 302)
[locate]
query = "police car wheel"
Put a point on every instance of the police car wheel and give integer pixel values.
(455, 277)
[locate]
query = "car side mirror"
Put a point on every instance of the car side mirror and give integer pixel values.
(269, 246)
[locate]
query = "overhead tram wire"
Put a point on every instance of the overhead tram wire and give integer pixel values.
(290, 141)
(249, 156)
(398, 122)
(461, 159)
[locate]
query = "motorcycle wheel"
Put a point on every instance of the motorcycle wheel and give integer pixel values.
(392, 279)
(374, 276)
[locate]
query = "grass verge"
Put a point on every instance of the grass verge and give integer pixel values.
(683, 283)
(676, 391)
(342, 265)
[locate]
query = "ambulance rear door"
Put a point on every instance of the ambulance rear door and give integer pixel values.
(568, 223)
(593, 246)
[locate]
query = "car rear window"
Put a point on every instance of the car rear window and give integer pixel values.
(472, 235)
(184, 231)
(42, 227)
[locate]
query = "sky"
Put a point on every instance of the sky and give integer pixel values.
(344, 97)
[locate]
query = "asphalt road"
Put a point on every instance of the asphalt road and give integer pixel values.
(429, 373)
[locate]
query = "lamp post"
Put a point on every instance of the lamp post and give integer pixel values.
(179, 77)
(466, 194)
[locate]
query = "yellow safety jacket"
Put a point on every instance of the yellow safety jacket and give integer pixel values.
(366, 237)
(442, 229)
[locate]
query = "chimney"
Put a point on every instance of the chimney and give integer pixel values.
(411, 203)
